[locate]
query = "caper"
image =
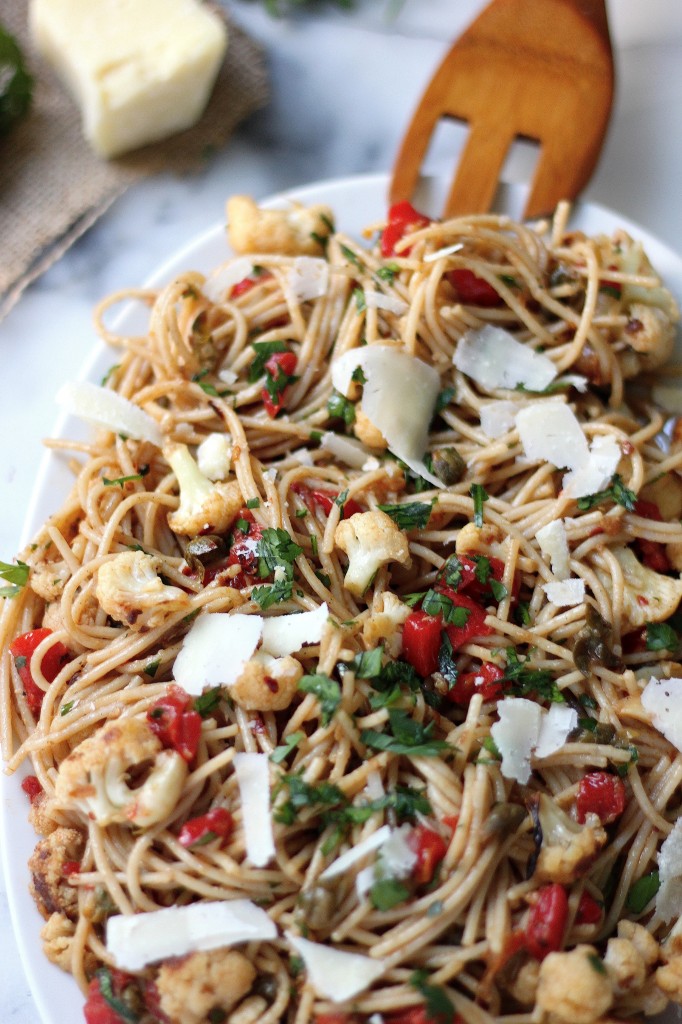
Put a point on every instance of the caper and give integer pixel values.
(448, 465)
(200, 551)
(266, 986)
(504, 818)
(593, 644)
(317, 905)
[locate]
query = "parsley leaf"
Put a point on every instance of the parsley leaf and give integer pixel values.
(340, 408)
(661, 637)
(280, 753)
(327, 691)
(388, 893)
(526, 680)
(263, 350)
(435, 603)
(617, 492)
(272, 593)
(410, 515)
(275, 548)
(446, 661)
(479, 495)
(208, 701)
(360, 300)
(642, 892)
(352, 257)
(407, 736)
(14, 574)
(368, 664)
(304, 794)
(439, 1009)
(121, 480)
(388, 272)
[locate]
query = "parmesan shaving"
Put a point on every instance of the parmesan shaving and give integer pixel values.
(669, 895)
(356, 853)
(565, 593)
(380, 300)
(253, 778)
(333, 973)
(216, 649)
(286, 634)
(554, 545)
(108, 409)
(662, 699)
(308, 278)
(495, 359)
(219, 284)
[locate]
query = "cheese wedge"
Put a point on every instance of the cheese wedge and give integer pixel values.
(139, 71)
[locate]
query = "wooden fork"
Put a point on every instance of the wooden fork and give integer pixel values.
(534, 69)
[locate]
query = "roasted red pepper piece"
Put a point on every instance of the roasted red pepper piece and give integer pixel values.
(215, 824)
(279, 369)
(242, 552)
(422, 640)
(176, 723)
(474, 626)
(602, 794)
(54, 659)
(105, 1003)
(324, 500)
(402, 219)
(430, 848)
(487, 680)
(547, 921)
(652, 552)
(247, 283)
(31, 787)
(589, 910)
(473, 290)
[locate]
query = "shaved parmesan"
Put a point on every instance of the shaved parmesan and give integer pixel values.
(216, 649)
(228, 376)
(347, 449)
(219, 284)
(554, 545)
(669, 895)
(343, 367)
(308, 278)
(333, 973)
(597, 469)
(356, 853)
(364, 880)
(135, 940)
(380, 300)
(662, 699)
(525, 728)
(550, 432)
(515, 734)
(556, 726)
(495, 359)
(397, 856)
(497, 417)
(253, 778)
(285, 634)
(302, 456)
(107, 408)
(565, 593)
(447, 250)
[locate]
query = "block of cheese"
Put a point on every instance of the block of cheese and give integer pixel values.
(140, 70)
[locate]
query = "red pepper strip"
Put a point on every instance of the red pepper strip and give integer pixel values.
(242, 552)
(430, 848)
(216, 824)
(22, 650)
(176, 724)
(589, 910)
(402, 219)
(31, 787)
(474, 626)
(421, 641)
(71, 867)
(451, 821)
(602, 794)
(325, 500)
(102, 1009)
(652, 552)
(279, 367)
(473, 290)
(247, 283)
(486, 681)
(547, 921)
(470, 583)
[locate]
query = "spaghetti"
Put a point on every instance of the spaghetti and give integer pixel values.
(465, 787)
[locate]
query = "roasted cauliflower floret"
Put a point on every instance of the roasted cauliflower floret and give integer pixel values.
(266, 683)
(204, 506)
(523, 986)
(298, 231)
(191, 987)
(384, 625)
(41, 816)
(487, 540)
(661, 594)
(49, 885)
(568, 849)
(130, 591)
(668, 978)
(651, 334)
(47, 579)
(214, 456)
(370, 539)
(625, 965)
(574, 987)
(57, 935)
(365, 431)
(94, 778)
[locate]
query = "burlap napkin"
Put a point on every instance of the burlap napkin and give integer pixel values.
(53, 187)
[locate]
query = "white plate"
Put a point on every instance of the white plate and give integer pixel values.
(356, 202)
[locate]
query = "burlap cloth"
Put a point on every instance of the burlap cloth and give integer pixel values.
(53, 187)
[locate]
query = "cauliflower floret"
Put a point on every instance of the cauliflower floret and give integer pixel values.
(668, 978)
(128, 588)
(487, 540)
(661, 594)
(57, 935)
(651, 333)
(523, 986)
(204, 506)
(370, 539)
(40, 815)
(93, 778)
(48, 578)
(190, 988)
(385, 624)
(625, 965)
(266, 683)
(365, 431)
(568, 849)
(642, 939)
(49, 886)
(574, 987)
(214, 456)
(298, 231)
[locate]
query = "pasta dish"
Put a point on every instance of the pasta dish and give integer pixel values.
(347, 673)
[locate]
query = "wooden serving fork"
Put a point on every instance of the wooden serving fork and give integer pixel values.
(533, 69)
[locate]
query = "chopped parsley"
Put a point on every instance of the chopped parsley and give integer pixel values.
(275, 550)
(388, 893)
(388, 272)
(263, 350)
(280, 753)
(526, 680)
(369, 664)
(410, 515)
(152, 667)
(443, 400)
(661, 637)
(14, 574)
(642, 892)
(253, 503)
(479, 495)
(326, 690)
(439, 1008)
(206, 386)
(304, 794)
(352, 257)
(435, 603)
(208, 701)
(65, 708)
(617, 492)
(339, 408)
(119, 481)
(407, 736)
(360, 300)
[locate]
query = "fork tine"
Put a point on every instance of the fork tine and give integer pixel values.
(408, 162)
(557, 176)
(473, 189)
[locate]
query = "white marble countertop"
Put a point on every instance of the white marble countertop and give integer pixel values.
(343, 88)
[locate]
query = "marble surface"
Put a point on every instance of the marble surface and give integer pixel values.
(344, 86)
